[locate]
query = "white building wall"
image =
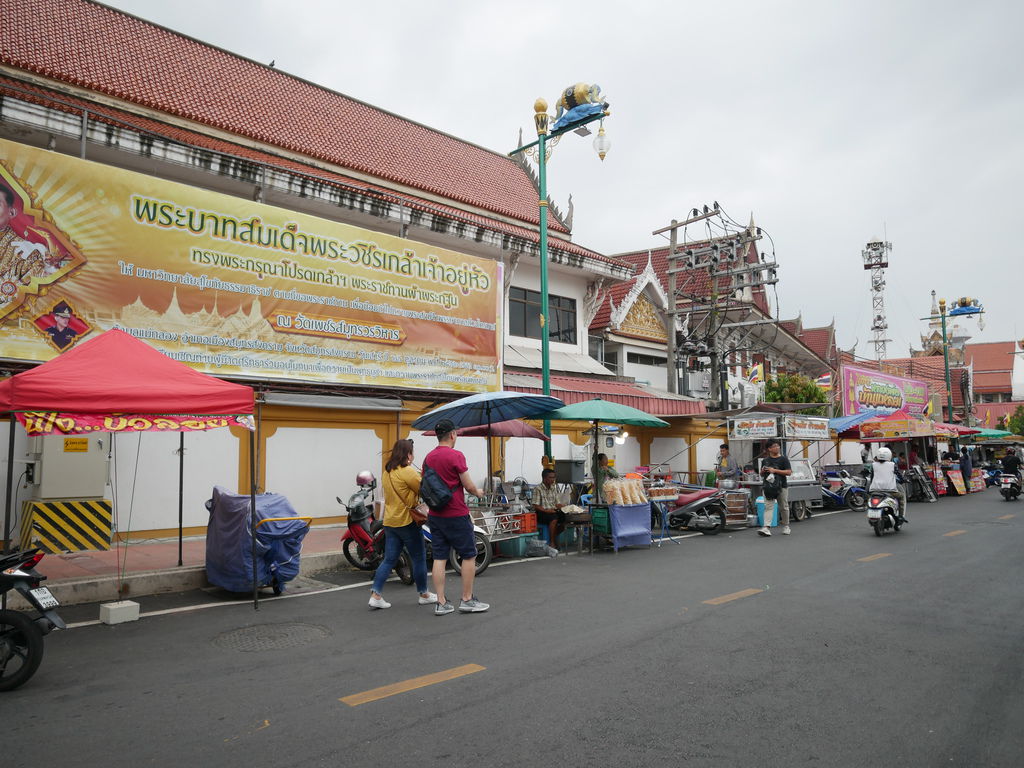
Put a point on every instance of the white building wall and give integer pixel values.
(707, 454)
(559, 284)
(654, 375)
(667, 450)
(144, 477)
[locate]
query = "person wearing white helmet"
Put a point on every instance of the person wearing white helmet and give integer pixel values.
(885, 477)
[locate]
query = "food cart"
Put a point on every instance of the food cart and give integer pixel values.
(748, 438)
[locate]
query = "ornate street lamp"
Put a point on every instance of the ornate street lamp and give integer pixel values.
(578, 105)
(964, 306)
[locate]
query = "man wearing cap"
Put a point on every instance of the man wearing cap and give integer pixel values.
(451, 527)
(61, 333)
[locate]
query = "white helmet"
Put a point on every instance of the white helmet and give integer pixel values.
(884, 454)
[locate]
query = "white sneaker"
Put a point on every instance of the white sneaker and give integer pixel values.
(764, 531)
(429, 599)
(785, 530)
(379, 602)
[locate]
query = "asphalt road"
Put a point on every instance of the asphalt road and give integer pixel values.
(837, 648)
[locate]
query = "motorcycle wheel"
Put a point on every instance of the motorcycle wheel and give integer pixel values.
(403, 568)
(21, 649)
(798, 510)
(720, 514)
(878, 528)
(356, 555)
(857, 500)
(483, 555)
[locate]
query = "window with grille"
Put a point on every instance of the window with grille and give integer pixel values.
(524, 316)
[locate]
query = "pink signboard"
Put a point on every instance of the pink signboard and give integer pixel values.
(867, 390)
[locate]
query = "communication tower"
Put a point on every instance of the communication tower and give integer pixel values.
(876, 259)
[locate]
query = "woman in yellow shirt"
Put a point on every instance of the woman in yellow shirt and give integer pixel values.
(401, 492)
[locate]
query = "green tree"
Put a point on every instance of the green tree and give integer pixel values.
(794, 388)
(1016, 421)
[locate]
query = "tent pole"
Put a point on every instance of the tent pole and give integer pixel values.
(181, 490)
(10, 488)
(252, 517)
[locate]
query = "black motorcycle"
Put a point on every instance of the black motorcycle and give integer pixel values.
(21, 635)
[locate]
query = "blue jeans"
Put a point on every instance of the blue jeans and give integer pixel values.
(411, 537)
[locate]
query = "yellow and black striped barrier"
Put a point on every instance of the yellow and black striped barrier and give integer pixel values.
(67, 525)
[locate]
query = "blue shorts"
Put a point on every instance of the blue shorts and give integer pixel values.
(448, 533)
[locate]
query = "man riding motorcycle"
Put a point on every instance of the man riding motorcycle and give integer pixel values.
(1011, 463)
(885, 477)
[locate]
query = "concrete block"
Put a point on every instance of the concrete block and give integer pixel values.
(119, 612)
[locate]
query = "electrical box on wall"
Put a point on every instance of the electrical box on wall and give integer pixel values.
(70, 466)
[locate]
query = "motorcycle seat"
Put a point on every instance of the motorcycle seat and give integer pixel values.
(688, 498)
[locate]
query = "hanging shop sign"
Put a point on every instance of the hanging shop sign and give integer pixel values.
(867, 390)
(895, 429)
(232, 287)
(805, 428)
(753, 428)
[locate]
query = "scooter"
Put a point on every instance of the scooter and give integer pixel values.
(1009, 486)
(850, 494)
(883, 512)
(363, 540)
(484, 550)
(21, 636)
(992, 475)
(699, 509)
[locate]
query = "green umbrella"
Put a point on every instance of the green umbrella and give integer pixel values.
(987, 433)
(598, 410)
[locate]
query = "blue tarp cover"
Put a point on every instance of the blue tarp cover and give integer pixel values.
(631, 525)
(844, 423)
(229, 543)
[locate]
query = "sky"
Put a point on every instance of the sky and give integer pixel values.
(832, 123)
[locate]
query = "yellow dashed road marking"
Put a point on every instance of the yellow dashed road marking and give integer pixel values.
(869, 558)
(954, 533)
(410, 685)
(733, 596)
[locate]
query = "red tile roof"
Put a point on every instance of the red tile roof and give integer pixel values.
(993, 365)
(111, 116)
(104, 50)
(576, 390)
(997, 411)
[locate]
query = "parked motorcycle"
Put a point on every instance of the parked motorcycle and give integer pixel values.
(363, 540)
(21, 636)
(484, 550)
(883, 512)
(1009, 486)
(699, 509)
(850, 494)
(992, 474)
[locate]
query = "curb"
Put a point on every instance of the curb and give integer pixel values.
(142, 583)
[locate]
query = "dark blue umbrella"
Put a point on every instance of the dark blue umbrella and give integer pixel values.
(489, 408)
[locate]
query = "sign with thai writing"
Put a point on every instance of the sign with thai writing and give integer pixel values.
(894, 429)
(805, 428)
(46, 423)
(867, 390)
(753, 428)
(232, 287)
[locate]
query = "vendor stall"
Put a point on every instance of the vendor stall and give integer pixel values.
(749, 436)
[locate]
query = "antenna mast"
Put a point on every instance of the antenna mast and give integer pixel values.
(876, 259)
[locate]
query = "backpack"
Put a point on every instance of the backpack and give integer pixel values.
(434, 491)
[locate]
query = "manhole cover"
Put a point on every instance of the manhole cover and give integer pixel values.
(270, 637)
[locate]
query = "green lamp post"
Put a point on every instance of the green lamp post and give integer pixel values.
(583, 97)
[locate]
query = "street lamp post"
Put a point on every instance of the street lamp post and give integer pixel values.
(963, 306)
(588, 113)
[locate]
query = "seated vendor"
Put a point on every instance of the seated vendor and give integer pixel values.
(546, 501)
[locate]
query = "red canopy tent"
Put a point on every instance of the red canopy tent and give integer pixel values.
(117, 383)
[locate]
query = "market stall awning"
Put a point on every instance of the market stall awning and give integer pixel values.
(575, 390)
(989, 434)
(843, 423)
(953, 430)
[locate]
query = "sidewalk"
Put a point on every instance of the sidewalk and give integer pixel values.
(151, 567)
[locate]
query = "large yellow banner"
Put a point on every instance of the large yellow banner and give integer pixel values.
(232, 287)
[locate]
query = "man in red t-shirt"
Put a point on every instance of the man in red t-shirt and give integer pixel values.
(452, 527)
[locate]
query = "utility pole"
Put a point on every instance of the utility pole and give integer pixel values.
(723, 256)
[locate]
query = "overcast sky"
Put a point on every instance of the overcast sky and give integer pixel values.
(832, 122)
